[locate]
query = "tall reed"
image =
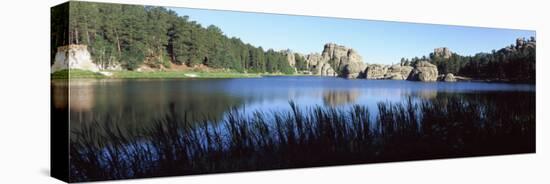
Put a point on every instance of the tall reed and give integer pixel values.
(302, 137)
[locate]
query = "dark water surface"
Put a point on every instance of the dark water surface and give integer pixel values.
(140, 101)
(142, 128)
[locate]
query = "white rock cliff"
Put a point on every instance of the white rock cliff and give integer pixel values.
(73, 57)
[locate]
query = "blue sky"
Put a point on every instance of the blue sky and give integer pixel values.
(376, 41)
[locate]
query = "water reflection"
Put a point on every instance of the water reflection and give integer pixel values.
(59, 97)
(81, 95)
(336, 98)
(445, 120)
(139, 101)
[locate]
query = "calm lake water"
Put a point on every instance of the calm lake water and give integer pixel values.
(141, 101)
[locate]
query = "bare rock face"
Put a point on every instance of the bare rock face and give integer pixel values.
(394, 72)
(354, 70)
(424, 71)
(398, 72)
(319, 65)
(334, 60)
(73, 57)
(443, 52)
(449, 78)
(314, 59)
(290, 57)
(341, 57)
(327, 70)
(376, 71)
(335, 51)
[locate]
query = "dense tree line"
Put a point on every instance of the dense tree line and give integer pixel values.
(132, 35)
(301, 63)
(512, 63)
(59, 28)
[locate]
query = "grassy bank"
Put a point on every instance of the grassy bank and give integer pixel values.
(319, 136)
(76, 74)
(82, 74)
(179, 74)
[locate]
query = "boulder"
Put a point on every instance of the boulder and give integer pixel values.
(449, 78)
(424, 71)
(354, 70)
(73, 57)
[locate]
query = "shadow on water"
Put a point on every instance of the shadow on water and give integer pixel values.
(441, 126)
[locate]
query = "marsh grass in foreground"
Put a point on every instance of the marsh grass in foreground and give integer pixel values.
(303, 137)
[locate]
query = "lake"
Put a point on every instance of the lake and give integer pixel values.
(141, 100)
(165, 127)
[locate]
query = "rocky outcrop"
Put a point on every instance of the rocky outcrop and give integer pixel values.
(335, 60)
(424, 71)
(327, 70)
(335, 53)
(290, 57)
(398, 72)
(354, 70)
(521, 44)
(442, 52)
(449, 78)
(376, 71)
(318, 65)
(345, 61)
(394, 72)
(73, 57)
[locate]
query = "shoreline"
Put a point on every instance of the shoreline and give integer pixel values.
(83, 74)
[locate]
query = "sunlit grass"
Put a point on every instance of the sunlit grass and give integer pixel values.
(83, 74)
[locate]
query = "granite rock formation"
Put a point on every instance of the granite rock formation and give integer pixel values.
(424, 71)
(376, 71)
(449, 78)
(73, 57)
(443, 52)
(345, 61)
